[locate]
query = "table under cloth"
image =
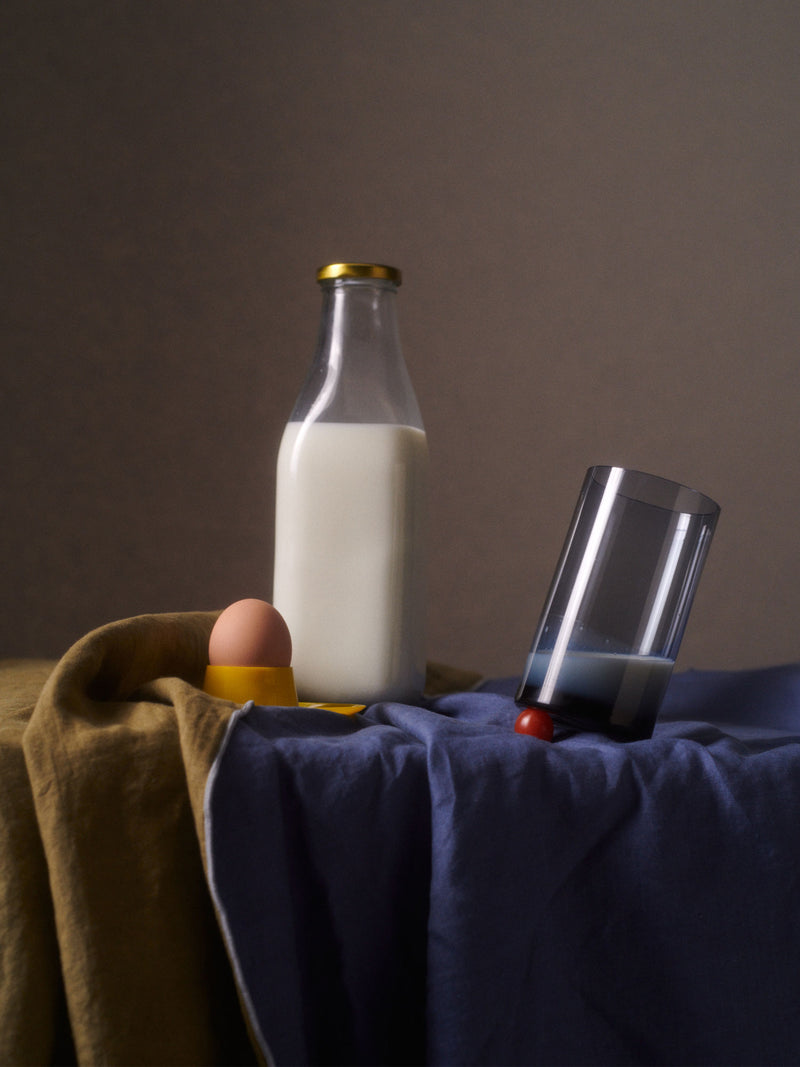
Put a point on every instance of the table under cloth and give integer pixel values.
(187, 881)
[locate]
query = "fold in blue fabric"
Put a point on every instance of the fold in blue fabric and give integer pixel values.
(423, 885)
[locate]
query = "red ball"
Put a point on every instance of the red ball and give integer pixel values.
(535, 722)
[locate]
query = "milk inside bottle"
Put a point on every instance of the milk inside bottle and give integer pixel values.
(351, 504)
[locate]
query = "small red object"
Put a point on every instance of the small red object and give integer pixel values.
(535, 722)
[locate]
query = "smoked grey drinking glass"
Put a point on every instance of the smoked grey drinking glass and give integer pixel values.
(615, 614)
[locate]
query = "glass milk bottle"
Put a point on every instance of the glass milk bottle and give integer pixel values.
(351, 503)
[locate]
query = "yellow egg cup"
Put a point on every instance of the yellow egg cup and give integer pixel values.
(273, 686)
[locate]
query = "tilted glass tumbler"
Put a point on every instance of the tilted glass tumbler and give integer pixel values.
(618, 605)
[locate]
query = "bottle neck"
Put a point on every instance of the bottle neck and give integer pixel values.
(359, 323)
(358, 374)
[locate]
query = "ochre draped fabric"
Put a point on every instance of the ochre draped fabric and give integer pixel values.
(110, 951)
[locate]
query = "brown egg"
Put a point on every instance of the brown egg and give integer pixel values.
(250, 633)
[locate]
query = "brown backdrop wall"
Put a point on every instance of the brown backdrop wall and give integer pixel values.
(596, 209)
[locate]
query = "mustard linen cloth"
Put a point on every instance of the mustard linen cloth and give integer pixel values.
(110, 951)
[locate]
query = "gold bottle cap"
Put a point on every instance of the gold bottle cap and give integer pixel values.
(359, 270)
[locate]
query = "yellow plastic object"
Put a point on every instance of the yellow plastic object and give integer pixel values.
(340, 709)
(264, 685)
(273, 686)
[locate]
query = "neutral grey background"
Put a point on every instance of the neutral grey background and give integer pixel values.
(596, 208)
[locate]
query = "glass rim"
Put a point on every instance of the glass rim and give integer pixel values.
(674, 494)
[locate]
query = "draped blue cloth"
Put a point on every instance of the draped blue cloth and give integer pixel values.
(423, 885)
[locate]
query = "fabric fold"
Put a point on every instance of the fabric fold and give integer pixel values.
(578, 902)
(34, 1028)
(116, 752)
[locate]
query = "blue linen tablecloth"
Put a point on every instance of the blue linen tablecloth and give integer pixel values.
(423, 885)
